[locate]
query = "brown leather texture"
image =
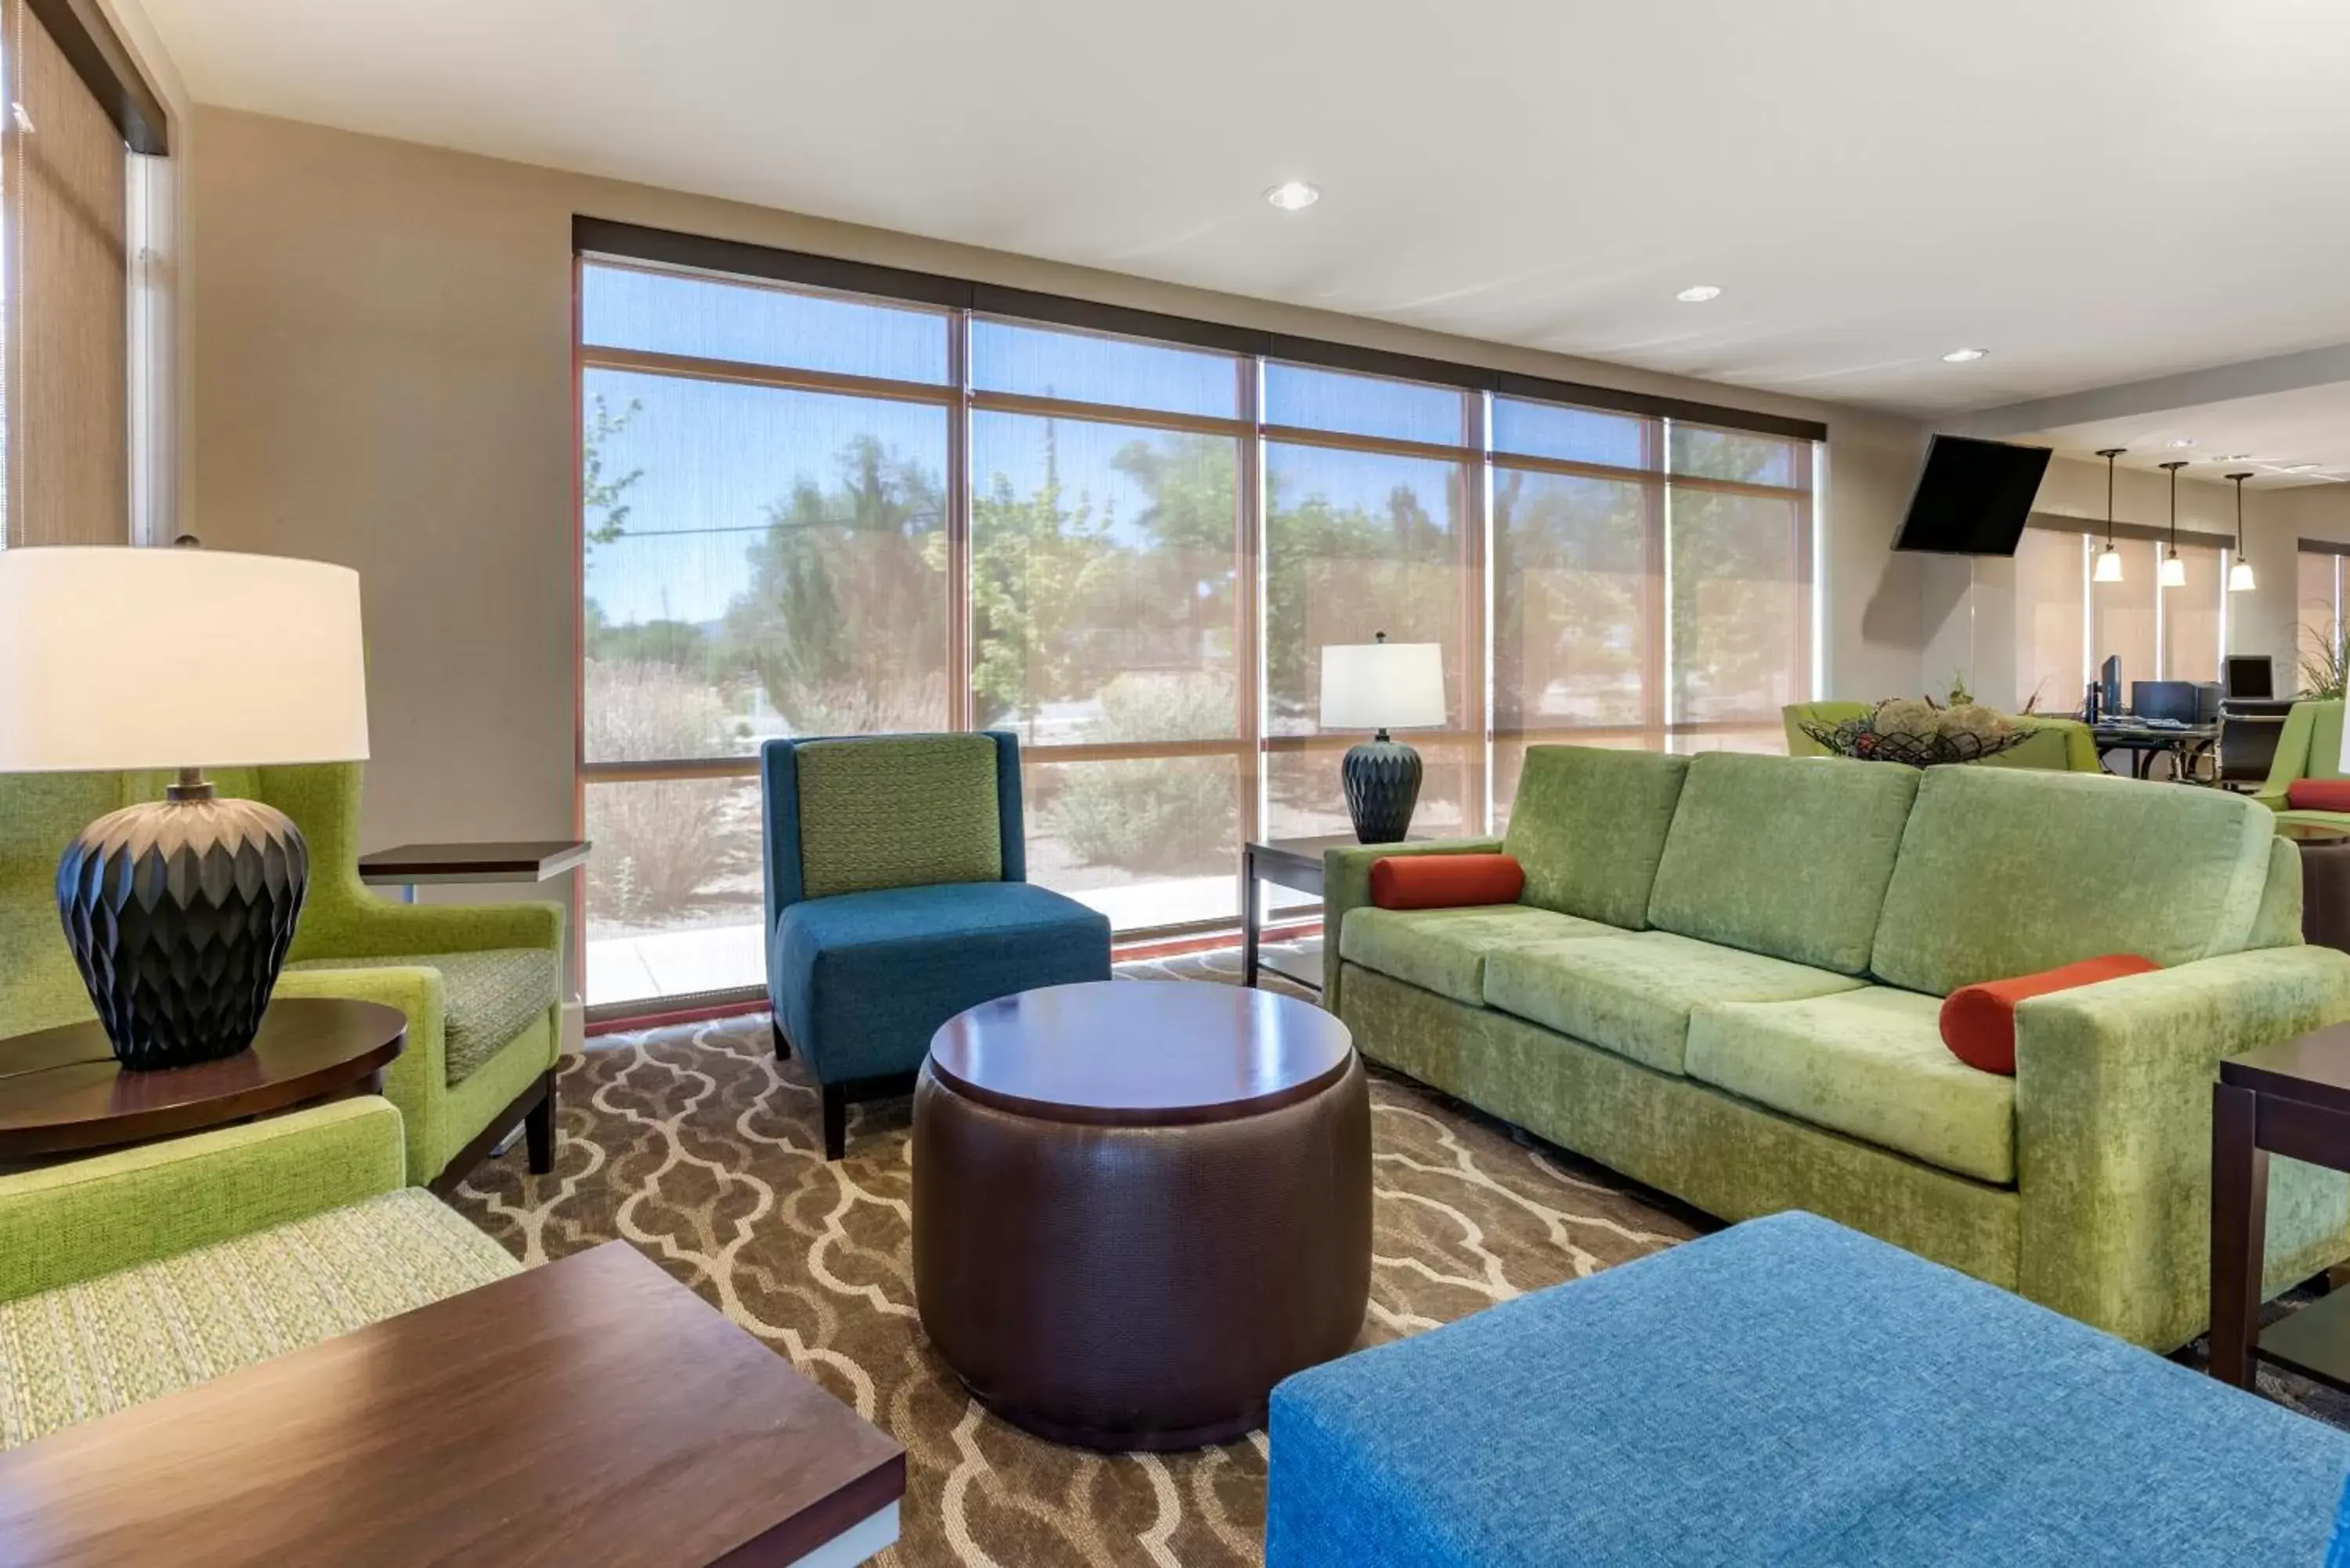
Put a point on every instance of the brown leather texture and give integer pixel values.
(1141, 1287)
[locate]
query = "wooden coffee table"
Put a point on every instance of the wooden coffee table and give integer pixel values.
(62, 1092)
(1140, 1204)
(588, 1413)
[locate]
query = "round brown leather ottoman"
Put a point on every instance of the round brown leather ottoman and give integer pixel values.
(1140, 1204)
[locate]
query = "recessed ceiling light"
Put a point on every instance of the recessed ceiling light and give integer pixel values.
(1964, 355)
(1294, 195)
(2179, 444)
(2298, 468)
(1697, 294)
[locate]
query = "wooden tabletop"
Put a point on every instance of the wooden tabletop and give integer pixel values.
(1142, 1053)
(61, 1090)
(502, 860)
(587, 1413)
(2315, 1068)
(2318, 833)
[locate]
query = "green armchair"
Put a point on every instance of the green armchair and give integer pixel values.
(2056, 745)
(2310, 747)
(127, 1275)
(481, 984)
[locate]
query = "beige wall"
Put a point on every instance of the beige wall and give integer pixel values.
(381, 349)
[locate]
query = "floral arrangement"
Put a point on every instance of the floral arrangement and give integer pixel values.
(1920, 732)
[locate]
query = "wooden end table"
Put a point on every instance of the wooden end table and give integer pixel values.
(1292, 863)
(590, 1412)
(2324, 881)
(2291, 1099)
(62, 1092)
(411, 865)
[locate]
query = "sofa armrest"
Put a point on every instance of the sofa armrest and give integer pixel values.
(2274, 801)
(369, 926)
(2113, 1114)
(1347, 885)
(61, 1224)
(417, 1079)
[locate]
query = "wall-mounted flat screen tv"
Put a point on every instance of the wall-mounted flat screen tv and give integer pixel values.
(1973, 497)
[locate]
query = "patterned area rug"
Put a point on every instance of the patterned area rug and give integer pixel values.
(697, 1145)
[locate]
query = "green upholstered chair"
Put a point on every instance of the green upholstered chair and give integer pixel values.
(898, 895)
(130, 1274)
(2309, 748)
(481, 983)
(2059, 746)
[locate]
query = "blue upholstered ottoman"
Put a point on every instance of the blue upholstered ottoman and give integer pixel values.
(1786, 1392)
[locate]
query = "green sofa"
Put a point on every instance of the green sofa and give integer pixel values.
(1724, 976)
(2062, 745)
(2309, 747)
(127, 1275)
(481, 983)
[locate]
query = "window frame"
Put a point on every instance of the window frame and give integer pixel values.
(1252, 749)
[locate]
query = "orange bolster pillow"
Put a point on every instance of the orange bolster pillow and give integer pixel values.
(1979, 1020)
(2318, 795)
(1445, 881)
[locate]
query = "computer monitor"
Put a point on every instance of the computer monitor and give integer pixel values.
(2110, 682)
(2251, 675)
(2173, 699)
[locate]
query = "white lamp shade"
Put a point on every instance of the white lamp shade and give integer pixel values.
(2109, 565)
(1383, 686)
(2240, 579)
(2174, 573)
(117, 658)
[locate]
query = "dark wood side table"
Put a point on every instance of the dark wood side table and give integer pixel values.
(62, 1092)
(411, 865)
(590, 1412)
(2291, 1099)
(1292, 863)
(2324, 881)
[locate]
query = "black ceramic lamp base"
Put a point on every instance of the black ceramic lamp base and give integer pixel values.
(1382, 780)
(179, 912)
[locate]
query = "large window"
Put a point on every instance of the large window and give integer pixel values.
(2067, 623)
(811, 511)
(2317, 611)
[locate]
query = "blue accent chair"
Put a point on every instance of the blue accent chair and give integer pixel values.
(896, 896)
(1787, 1391)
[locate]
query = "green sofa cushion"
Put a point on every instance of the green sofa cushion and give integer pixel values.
(1588, 825)
(1633, 994)
(910, 811)
(1869, 1063)
(87, 1350)
(491, 996)
(1783, 855)
(2005, 873)
(1444, 951)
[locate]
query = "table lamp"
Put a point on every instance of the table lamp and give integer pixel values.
(1382, 686)
(179, 911)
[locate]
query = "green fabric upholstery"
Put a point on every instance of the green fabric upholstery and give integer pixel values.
(1588, 828)
(342, 920)
(1720, 1153)
(1784, 857)
(90, 1348)
(489, 997)
(914, 812)
(2113, 1107)
(1633, 994)
(79, 1219)
(1445, 950)
(1346, 886)
(2003, 874)
(1869, 1063)
(2308, 747)
(2277, 923)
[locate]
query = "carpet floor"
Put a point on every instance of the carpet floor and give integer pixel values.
(695, 1144)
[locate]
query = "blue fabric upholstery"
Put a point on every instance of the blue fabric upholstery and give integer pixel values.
(862, 980)
(1787, 1391)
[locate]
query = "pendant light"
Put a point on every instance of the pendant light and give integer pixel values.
(2174, 570)
(2109, 560)
(2240, 576)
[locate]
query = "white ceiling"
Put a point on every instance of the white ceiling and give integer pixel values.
(2268, 437)
(2097, 191)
